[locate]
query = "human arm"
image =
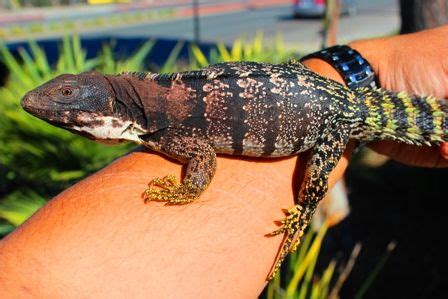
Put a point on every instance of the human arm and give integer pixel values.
(98, 238)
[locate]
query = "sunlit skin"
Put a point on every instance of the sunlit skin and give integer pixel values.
(96, 240)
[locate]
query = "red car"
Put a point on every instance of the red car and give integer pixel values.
(316, 8)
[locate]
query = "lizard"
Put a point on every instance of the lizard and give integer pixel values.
(238, 108)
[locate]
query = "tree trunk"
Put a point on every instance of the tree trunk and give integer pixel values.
(417, 15)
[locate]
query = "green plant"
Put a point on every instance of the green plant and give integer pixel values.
(36, 28)
(19, 206)
(3, 33)
(38, 160)
(16, 30)
(68, 25)
(243, 50)
(89, 23)
(53, 26)
(300, 278)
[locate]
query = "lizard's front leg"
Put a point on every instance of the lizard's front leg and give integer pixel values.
(325, 156)
(200, 158)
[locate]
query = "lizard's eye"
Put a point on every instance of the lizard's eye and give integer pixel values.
(66, 91)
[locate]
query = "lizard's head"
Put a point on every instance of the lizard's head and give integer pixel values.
(83, 104)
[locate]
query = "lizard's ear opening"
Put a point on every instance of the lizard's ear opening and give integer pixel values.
(96, 93)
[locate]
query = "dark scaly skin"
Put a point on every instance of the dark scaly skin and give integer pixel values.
(249, 109)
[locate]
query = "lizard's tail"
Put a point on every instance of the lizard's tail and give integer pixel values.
(398, 116)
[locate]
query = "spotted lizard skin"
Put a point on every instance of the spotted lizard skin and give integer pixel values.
(238, 108)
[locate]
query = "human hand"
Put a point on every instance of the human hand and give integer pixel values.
(416, 63)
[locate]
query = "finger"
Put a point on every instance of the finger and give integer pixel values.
(423, 156)
(444, 150)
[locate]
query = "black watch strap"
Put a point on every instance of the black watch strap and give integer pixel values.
(355, 70)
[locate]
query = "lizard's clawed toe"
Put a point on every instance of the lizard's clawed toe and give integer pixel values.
(293, 226)
(169, 190)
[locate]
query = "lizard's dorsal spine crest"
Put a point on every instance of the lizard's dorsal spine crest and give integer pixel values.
(164, 76)
(223, 70)
(139, 75)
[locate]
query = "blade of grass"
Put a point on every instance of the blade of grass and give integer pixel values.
(199, 56)
(40, 59)
(30, 66)
(247, 51)
(5, 228)
(19, 206)
(314, 250)
(307, 279)
(365, 286)
(223, 52)
(346, 272)
(137, 59)
(107, 59)
(237, 50)
(258, 43)
(274, 288)
(78, 54)
(304, 246)
(13, 66)
(168, 66)
(67, 54)
(324, 284)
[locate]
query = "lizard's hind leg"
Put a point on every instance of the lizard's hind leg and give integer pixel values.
(200, 158)
(325, 155)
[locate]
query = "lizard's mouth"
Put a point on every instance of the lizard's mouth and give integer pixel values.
(56, 118)
(81, 133)
(40, 110)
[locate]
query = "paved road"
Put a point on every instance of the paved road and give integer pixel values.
(372, 19)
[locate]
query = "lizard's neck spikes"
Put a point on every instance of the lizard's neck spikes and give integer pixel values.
(139, 75)
(156, 76)
(220, 70)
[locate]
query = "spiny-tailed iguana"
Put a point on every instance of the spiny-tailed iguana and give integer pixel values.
(237, 108)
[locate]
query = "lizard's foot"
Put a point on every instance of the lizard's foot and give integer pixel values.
(168, 189)
(294, 226)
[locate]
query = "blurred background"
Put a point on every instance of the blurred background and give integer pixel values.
(391, 243)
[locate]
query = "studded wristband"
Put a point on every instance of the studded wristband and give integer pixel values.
(354, 69)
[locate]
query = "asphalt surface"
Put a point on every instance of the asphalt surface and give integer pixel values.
(371, 19)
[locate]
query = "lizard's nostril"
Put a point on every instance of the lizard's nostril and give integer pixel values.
(26, 101)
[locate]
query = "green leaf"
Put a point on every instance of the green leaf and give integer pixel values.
(19, 206)
(324, 284)
(68, 175)
(199, 56)
(311, 254)
(14, 67)
(30, 66)
(135, 62)
(5, 228)
(40, 59)
(237, 50)
(68, 55)
(225, 54)
(169, 64)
